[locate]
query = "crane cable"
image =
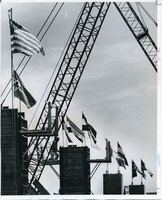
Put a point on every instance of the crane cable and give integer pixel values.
(148, 14)
(141, 15)
(55, 68)
(31, 56)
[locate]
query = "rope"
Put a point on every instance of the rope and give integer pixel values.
(54, 70)
(31, 56)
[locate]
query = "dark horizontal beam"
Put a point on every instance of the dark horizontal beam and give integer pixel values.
(98, 161)
(32, 133)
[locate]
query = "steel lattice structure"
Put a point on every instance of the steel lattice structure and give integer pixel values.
(66, 81)
(139, 31)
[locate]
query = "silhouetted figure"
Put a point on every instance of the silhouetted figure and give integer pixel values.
(54, 151)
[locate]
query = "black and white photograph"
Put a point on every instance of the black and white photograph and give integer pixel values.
(79, 94)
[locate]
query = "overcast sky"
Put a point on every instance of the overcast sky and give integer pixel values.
(117, 91)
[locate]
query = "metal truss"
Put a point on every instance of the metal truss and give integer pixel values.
(66, 81)
(139, 31)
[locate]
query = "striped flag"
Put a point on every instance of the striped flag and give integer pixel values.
(66, 131)
(21, 92)
(92, 133)
(121, 153)
(76, 131)
(22, 41)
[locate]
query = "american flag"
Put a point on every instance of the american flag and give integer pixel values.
(22, 41)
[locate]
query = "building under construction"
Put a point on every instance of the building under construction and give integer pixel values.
(25, 153)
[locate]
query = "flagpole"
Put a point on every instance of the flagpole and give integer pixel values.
(118, 169)
(132, 173)
(84, 132)
(63, 136)
(107, 168)
(141, 180)
(141, 176)
(12, 70)
(20, 105)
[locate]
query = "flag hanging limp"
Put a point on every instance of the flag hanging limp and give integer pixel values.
(92, 133)
(21, 92)
(135, 169)
(121, 153)
(143, 168)
(66, 131)
(22, 41)
(120, 162)
(76, 131)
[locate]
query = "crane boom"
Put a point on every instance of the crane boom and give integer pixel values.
(139, 31)
(66, 81)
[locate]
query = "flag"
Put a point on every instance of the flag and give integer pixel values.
(65, 129)
(109, 150)
(143, 168)
(120, 162)
(150, 173)
(77, 132)
(22, 93)
(134, 172)
(91, 132)
(121, 153)
(135, 169)
(22, 41)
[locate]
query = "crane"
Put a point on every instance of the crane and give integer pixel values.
(66, 81)
(69, 73)
(139, 31)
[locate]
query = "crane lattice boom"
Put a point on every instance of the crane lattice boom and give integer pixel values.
(67, 79)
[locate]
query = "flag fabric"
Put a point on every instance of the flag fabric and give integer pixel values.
(143, 168)
(120, 162)
(91, 132)
(121, 153)
(21, 92)
(93, 144)
(109, 150)
(134, 172)
(76, 131)
(22, 41)
(150, 173)
(135, 169)
(66, 132)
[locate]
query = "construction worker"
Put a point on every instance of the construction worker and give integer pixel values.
(54, 151)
